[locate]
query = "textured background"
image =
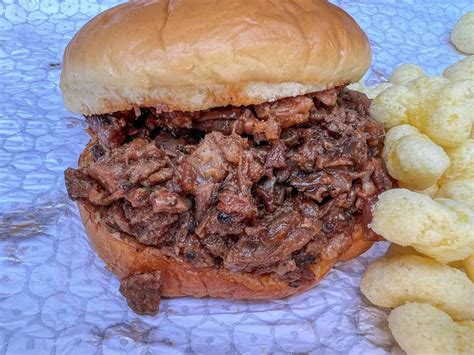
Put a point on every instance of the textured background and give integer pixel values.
(56, 297)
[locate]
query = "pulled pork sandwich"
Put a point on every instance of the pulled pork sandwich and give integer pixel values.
(227, 158)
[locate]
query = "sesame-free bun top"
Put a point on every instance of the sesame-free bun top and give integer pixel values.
(192, 55)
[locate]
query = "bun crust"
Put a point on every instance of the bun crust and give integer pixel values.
(192, 55)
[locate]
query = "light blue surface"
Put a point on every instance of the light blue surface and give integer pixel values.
(56, 297)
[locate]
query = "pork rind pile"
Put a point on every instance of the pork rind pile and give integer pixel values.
(427, 274)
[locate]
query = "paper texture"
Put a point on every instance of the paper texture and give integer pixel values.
(56, 297)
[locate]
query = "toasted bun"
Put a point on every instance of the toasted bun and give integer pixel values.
(125, 256)
(192, 55)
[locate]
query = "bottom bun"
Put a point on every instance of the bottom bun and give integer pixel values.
(125, 256)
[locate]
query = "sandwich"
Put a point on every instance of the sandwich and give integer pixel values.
(226, 158)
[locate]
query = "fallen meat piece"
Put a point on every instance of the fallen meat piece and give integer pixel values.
(142, 292)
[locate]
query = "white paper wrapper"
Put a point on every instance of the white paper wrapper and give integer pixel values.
(56, 297)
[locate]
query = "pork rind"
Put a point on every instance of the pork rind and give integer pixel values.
(426, 86)
(441, 109)
(442, 229)
(461, 190)
(405, 73)
(390, 107)
(425, 97)
(358, 86)
(422, 329)
(462, 35)
(466, 333)
(464, 69)
(459, 92)
(394, 134)
(431, 191)
(450, 126)
(373, 91)
(391, 282)
(451, 122)
(397, 250)
(468, 265)
(413, 158)
(462, 162)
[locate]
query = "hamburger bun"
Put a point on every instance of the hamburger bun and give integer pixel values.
(193, 55)
(125, 256)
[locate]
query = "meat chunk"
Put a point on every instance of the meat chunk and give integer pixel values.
(186, 176)
(111, 129)
(98, 151)
(322, 184)
(201, 171)
(220, 224)
(274, 238)
(286, 112)
(154, 232)
(320, 151)
(208, 160)
(205, 196)
(109, 174)
(354, 100)
(192, 251)
(226, 113)
(131, 164)
(273, 117)
(164, 201)
(380, 176)
(170, 143)
(175, 120)
(336, 246)
(81, 186)
(281, 268)
(232, 146)
(149, 227)
(142, 292)
(115, 218)
(327, 97)
(276, 157)
(261, 130)
(232, 203)
(271, 194)
(160, 176)
(138, 197)
(137, 149)
(217, 246)
(225, 126)
(78, 184)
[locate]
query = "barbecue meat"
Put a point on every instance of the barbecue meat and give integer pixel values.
(269, 188)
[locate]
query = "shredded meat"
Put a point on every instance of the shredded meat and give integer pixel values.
(142, 292)
(164, 201)
(275, 237)
(287, 112)
(269, 188)
(111, 130)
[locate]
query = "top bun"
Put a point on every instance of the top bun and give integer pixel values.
(191, 55)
